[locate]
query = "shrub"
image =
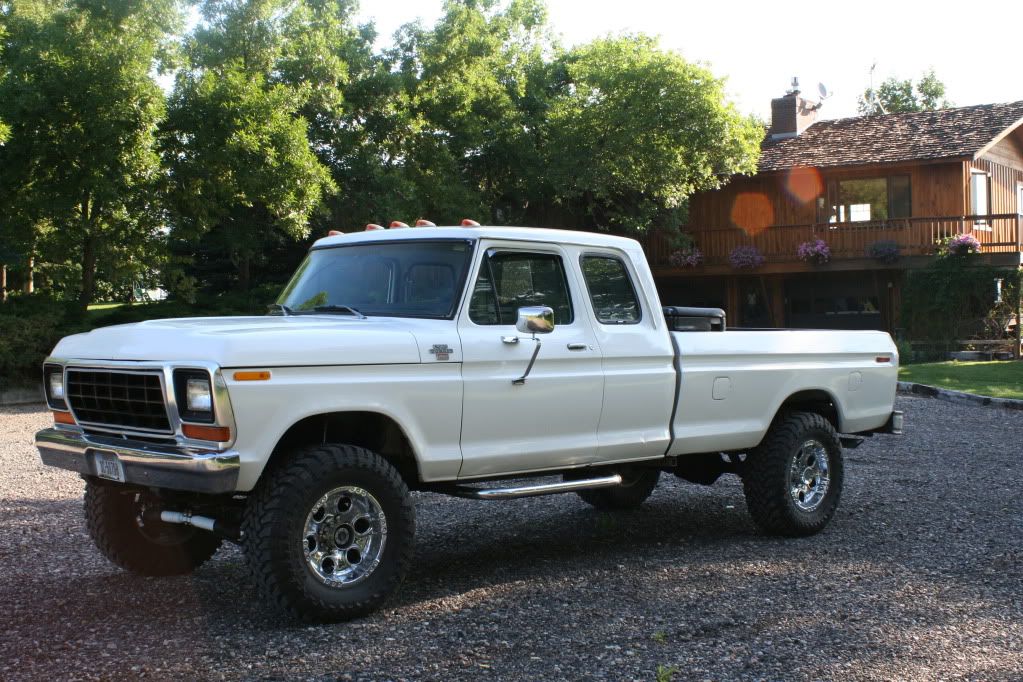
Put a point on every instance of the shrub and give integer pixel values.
(815, 251)
(746, 257)
(30, 326)
(884, 251)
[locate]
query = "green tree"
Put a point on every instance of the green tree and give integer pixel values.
(240, 165)
(895, 95)
(636, 130)
(79, 166)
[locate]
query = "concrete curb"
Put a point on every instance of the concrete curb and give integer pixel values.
(959, 397)
(21, 395)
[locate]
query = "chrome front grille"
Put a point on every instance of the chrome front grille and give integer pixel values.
(118, 399)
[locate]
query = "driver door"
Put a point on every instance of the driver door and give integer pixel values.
(551, 420)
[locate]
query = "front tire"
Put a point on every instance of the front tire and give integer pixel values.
(131, 537)
(329, 536)
(793, 479)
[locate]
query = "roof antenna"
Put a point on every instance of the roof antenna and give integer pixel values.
(874, 99)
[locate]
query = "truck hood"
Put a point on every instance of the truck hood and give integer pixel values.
(276, 341)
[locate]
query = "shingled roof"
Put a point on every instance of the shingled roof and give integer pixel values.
(890, 138)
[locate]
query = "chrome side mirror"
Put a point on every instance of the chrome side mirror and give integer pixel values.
(536, 319)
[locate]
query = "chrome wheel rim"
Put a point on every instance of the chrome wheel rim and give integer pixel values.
(810, 475)
(344, 538)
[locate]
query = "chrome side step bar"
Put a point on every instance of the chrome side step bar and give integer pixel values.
(534, 490)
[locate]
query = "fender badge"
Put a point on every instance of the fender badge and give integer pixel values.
(440, 351)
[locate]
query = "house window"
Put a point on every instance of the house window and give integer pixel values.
(980, 193)
(864, 199)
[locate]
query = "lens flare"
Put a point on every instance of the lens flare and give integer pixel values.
(804, 184)
(752, 212)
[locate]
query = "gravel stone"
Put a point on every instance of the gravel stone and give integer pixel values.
(916, 578)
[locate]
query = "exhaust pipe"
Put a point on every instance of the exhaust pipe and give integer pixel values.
(536, 490)
(205, 522)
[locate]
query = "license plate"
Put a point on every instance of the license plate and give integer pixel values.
(108, 466)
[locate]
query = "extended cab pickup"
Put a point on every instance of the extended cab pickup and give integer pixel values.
(442, 359)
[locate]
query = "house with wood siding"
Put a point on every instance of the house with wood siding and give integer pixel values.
(881, 191)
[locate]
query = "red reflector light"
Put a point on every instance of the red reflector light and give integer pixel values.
(425, 223)
(396, 224)
(882, 358)
(334, 233)
(466, 222)
(63, 418)
(374, 226)
(219, 434)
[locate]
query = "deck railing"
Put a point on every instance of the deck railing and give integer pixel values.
(998, 233)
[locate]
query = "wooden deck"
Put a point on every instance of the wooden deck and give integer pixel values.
(915, 237)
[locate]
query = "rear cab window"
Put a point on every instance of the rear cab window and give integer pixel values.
(611, 290)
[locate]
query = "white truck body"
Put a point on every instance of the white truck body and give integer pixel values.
(442, 396)
(609, 403)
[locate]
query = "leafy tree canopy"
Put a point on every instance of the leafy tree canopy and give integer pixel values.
(895, 95)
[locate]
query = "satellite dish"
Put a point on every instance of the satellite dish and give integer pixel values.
(823, 90)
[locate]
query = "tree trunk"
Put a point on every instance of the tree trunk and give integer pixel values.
(3, 283)
(88, 272)
(30, 275)
(244, 271)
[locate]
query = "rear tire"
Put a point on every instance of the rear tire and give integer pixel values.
(637, 485)
(329, 535)
(793, 479)
(139, 542)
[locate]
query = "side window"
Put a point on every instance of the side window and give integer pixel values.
(510, 280)
(611, 291)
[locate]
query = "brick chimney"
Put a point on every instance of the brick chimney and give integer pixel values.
(791, 114)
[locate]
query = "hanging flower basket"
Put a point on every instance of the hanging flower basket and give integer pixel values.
(746, 257)
(815, 251)
(963, 244)
(688, 257)
(884, 251)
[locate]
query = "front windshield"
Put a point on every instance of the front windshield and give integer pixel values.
(396, 279)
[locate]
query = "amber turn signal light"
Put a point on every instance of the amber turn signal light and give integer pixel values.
(219, 434)
(252, 376)
(63, 418)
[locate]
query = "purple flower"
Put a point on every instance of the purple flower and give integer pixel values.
(815, 251)
(688, 257)
(962, 244)
(745, 257)
(885, 251)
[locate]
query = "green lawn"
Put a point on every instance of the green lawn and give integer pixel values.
(995, 379)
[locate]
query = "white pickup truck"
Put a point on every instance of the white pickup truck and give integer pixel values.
(442, 359)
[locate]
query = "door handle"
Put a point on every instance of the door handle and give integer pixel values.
(577, 346)
(509, 339)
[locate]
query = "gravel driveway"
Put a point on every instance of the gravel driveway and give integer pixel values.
(917, 577)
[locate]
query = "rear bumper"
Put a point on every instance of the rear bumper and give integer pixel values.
(146, 464)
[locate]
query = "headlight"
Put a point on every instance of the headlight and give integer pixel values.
(56, 386)
(53, 384)
(197, 395)
(193, 391)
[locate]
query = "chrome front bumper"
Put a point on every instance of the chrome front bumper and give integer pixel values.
(146, 464)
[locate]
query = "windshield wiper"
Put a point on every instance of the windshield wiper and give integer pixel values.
(280, 308)
(334, 308)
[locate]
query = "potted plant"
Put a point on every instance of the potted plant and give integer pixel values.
(884, 251)
(746, 257)
(815, 251)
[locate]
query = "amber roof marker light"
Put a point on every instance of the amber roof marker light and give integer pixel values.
(425, 223)
(397, 224)
(469, 222)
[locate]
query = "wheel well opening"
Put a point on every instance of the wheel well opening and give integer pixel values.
(370, 430)
(817, 401)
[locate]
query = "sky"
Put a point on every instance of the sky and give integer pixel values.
(759, 46)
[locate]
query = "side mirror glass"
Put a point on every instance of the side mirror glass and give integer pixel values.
(537, 319)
